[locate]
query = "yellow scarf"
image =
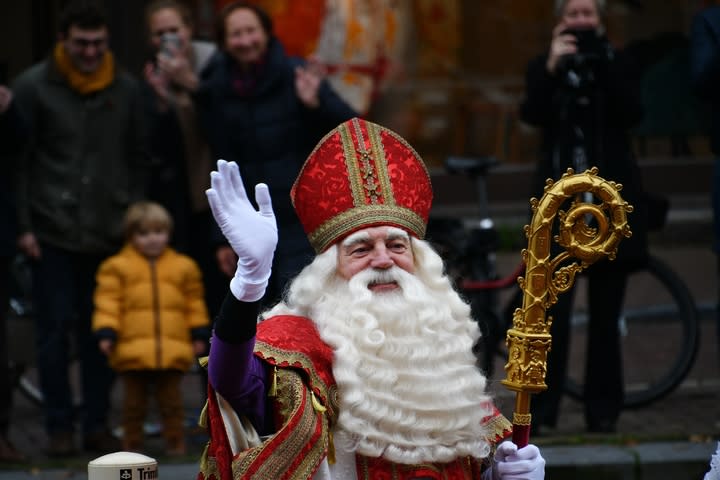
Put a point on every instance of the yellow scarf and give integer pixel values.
(85, 83)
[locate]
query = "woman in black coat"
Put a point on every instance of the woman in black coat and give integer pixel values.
(584, 96)
(266, 111)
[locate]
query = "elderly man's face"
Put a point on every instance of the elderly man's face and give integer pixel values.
(375, 247)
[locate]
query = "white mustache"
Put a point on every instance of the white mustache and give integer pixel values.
(373, 277)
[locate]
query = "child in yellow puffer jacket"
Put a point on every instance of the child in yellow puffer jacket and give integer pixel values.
(151, 320)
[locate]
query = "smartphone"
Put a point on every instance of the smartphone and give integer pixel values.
(169, 43)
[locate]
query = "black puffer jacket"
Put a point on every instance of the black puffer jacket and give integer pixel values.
(269, 133)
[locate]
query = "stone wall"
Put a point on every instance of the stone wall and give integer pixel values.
(471, 107)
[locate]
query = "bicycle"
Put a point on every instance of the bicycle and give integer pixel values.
(21, 351)
(656, 297)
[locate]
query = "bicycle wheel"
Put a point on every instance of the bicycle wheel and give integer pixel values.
(658, 306)
(21, 359)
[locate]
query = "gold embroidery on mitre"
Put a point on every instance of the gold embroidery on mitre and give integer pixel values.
(353, 172)
(380, 163)
(356, 217)
(362, 161)
(366, 167)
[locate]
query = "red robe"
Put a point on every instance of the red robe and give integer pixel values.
(306, 406)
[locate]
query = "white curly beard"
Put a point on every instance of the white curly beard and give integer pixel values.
(410, 390)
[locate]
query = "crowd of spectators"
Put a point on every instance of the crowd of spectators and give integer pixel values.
(100, 138)
(82, 140)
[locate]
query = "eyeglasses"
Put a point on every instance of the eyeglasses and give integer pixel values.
(88, 42)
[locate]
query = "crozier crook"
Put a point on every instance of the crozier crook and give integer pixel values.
(587, 231)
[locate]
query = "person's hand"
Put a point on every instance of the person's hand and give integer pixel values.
(106, 346)
(28, 244)
(159, 82)
(562, 44)
(714, 472)
(307, 82)
(199, 347)
(6, 97)
(251, 233)
(511, 463)
(226, 260)
(176, 66)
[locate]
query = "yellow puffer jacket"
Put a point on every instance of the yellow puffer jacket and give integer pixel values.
(151, 307)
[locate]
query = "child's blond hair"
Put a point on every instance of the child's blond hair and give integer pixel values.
(146, 215)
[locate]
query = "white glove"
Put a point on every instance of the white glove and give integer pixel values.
(714, 473)
(510, 463)
(252, 234)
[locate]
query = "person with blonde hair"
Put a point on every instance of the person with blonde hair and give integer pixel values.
(150, 318)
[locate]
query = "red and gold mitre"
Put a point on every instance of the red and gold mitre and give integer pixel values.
(361, 175)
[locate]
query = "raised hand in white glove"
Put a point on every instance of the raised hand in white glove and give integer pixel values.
(252, 234)
(511, 463)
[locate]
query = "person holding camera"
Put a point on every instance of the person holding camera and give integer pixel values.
(584, 95)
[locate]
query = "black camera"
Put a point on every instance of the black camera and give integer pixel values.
(593, 51)
(590, 44)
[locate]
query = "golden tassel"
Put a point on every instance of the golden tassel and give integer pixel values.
(203, 361)
(273, 385)
(204, 459)
(331, 448)
(202, 420)
(316, 403)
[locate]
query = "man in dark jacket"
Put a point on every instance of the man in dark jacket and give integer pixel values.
(83, 166)
(585, 96)
(266, 111)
